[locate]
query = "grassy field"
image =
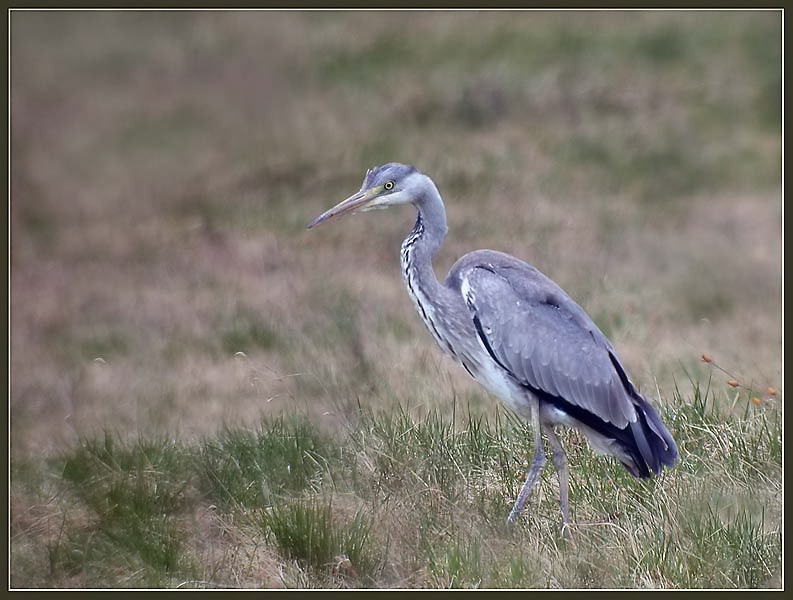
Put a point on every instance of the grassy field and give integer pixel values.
(205, 394)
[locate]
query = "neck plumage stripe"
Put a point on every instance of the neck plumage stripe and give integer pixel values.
(411, 271)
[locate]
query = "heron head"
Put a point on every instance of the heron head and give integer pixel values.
(383, 186)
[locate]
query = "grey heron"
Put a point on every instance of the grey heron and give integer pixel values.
(521, 336)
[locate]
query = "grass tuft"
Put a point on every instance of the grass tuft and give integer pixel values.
(129, 496)
(309, 531)
(400, 500)
(252, 469)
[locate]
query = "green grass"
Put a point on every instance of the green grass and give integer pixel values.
(400, 500)
(331, 553)
(254, 469)
(247, 331)
(126, 501)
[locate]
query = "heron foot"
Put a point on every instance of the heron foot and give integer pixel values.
(567, 531)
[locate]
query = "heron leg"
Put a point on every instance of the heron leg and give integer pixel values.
(560, 464)
(537, 461)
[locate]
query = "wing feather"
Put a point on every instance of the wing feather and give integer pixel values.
(545, 339)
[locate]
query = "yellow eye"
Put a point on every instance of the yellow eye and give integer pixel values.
(388, 185)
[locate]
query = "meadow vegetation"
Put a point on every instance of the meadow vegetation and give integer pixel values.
(205, 394)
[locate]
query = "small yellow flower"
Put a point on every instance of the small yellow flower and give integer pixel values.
(732, 382)
(706, 358)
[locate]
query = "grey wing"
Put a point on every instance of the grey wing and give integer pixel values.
(546, 341)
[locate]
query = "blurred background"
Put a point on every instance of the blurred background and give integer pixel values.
(164, 166)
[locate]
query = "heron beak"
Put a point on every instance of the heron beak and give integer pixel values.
(358, 201)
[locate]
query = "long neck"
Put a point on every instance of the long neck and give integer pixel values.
(429, 296)
(422, 243)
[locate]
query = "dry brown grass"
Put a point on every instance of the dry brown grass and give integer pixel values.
(164, 167)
